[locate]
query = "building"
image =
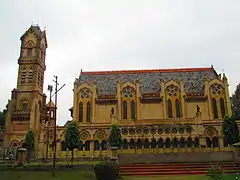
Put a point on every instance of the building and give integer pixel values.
(159, 109)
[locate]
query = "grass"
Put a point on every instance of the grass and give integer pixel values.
(88, 175)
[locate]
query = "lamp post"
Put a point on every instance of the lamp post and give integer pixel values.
(49, 116)
(55, 123)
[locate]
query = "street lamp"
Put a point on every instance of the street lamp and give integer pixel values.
(50, 88)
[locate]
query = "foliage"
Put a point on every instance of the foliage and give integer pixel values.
(215, 173)
(29, 143)
(235, 99)
(115, 137)
(2, 117)
(106, 171)
(230, 130)
(72, 137)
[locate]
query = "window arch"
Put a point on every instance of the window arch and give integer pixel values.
(29, 51)
(222, 105)
(80, 112)
(88, 112)
(178, 112)
(214, 106)
(124, 110)
(170, 108)
(132, 109)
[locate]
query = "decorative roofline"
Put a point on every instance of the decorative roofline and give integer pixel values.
(147, 71)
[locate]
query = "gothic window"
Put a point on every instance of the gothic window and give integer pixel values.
(170, 108)
(172, 90)
(85, 93)
(29, 51)
(96, 145)
(128, 92)
(124, 110)
(222, 107)
(87, 146)
(88, 112)
(177, 104)
(132, 109)
(214, 107)
(216, 89)
(80, 112)
(24, 106)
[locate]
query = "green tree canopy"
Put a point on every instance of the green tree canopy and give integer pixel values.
(72, 137)
(115, 137)
(230, 130)
(235, 99)
(29, 141)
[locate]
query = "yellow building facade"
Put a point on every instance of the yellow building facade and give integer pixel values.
(159, 110)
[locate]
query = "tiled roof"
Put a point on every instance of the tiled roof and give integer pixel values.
(50, 104)
(106, 81)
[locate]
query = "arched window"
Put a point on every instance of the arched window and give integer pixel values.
(96, 145)
(125, 144)
(24, 74)
(178, 113)
(29, 51)
(124, 110)
(132, 144)
(170, 109)
(222, 107)
(104, 145)
(80, 112)
(63, 144)
(132, 110)
(87, 146)
(88, 112)
(214, 106)
(24, 106)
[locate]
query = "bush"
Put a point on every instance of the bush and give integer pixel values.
(106, 171)
(215, 173)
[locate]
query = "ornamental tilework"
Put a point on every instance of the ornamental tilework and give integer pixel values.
(149, 81)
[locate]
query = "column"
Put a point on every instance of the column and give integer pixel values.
(182, 99)
(118, 96)
(75, 100)
(91, 148)
(228, 103)
(93, 101)
(163, 96)
(137, 99)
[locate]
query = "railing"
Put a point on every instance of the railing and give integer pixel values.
(20, 115)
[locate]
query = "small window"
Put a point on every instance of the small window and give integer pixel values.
(222, 107)
(80, 112)
(88, 112)
(24, 107)
(133, 110)
(124, 110)
(170, 109)
(29, 52)
(178, 112)
(214, 106)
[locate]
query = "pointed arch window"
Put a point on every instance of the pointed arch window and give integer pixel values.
(29, 51)
(24, 106)
(214, 106)
(124, 110)
(177, 104)
(88, 112)
(170, 108)
(222, 105)
(80, 112)
(132, 109)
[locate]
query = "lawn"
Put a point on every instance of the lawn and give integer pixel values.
(87, 175)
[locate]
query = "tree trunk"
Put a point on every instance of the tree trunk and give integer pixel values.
(72, 156)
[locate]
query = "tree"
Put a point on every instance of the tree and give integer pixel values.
(230, 130)
(72, 137)
(115, 137)
(2, 117)
(235, 100)
(29, 143)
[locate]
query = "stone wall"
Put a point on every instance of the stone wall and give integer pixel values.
(176, 157)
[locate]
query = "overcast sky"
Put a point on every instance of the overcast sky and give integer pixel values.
(125, 34)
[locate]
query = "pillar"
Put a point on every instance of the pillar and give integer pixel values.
(93, 101)
(163, 96)
(138, 99)
(228, 103)
(182, 99)
(119, 109)
(91, 148)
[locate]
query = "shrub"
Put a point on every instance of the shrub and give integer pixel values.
(106, 171)
(215, 173)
